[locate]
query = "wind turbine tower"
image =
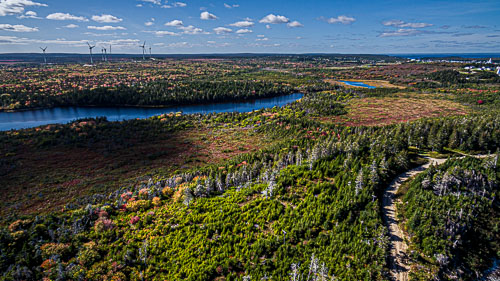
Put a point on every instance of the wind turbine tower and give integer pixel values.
(150, 55)
(44, 57)
(90, 48)
(143, 46)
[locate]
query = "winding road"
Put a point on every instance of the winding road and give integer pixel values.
(398, 260)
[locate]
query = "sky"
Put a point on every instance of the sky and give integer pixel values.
(257, 26)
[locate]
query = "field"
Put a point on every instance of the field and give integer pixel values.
(47, 178)
(391, 110)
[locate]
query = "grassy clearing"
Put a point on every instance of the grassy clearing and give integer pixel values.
(47, 179)
(385, 111)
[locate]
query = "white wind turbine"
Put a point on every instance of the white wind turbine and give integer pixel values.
(143, 46)
(90, 48)
(44, 57)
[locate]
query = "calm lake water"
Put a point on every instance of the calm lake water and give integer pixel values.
(358, 84)
(34, 118)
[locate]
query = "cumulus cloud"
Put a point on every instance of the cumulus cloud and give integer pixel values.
(274, 19)
(65, 16)
(222, 30)
(174, 23)
(243, 31)
(294, 24)
(71, 26)
(207, 16)
(149, 23)
(17, 28)
(340, 19)
(106, 19)
(400, 23)
(12, 7)
(29, 15)
(191, 30)
(244, 23)
(106, 27)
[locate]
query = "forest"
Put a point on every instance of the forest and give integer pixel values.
(304, 203)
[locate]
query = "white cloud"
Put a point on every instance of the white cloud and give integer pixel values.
(207, 16)
(262, 39)
(17, 28)
(29, 15)
(274, 19)
(191, 30)
(174, 23)
(244, 23)
(243, 31)
(180, 4)
(106, 19)
(164, 32)
(71, 26)
(341, 19)
(156, 2)
(174, 5)
(106, 27)
(222, 30)
(268, 26)
(149, 23)
(400, 32)
(294, 24)
(12, 7)
(231, 6)
(400, 23)
(13, 40)
(65, 16)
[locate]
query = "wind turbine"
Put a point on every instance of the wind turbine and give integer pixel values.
(105, 54)
(150, 56)
(110, 51)
(90, 48)
(143, 46)
(44, 57)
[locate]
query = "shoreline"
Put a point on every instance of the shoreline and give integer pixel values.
(146, 106)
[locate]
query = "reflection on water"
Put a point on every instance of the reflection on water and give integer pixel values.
(34, 118)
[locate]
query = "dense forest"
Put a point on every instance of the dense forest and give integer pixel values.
(450, 210)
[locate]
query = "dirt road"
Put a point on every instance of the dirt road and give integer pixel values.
(399, 266)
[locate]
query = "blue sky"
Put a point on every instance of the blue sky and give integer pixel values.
(258, 26)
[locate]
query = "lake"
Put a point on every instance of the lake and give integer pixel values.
(62, 115)
(358, 84)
